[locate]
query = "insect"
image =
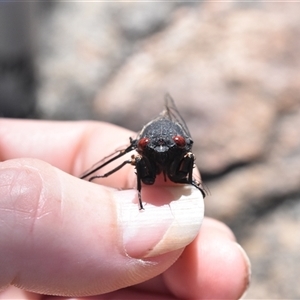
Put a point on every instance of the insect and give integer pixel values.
(164, 145)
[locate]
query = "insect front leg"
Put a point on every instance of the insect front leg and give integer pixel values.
(113, 170)
(145, 173)
(181, 171)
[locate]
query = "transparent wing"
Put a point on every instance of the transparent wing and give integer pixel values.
(173, 114)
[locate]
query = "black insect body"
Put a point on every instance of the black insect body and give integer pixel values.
(164, 146)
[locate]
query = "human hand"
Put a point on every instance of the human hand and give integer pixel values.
(60, 235)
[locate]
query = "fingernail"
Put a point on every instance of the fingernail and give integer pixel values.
(160, 228)
(248, 267)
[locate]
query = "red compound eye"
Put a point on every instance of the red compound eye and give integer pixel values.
(179, 141)
(142, 144)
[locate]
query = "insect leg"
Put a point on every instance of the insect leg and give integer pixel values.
(181, 169)
(196, 184)
(138, 160)
(145, 172)
(139, 188)
(191, 179)
(182, 172)
(112, 171)
(121, 153)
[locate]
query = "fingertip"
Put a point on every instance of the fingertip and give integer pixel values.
(14, 293)
(213, 226)
(213, 266)
(248, 272)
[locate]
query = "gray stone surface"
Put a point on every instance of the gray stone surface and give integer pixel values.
(233, 70)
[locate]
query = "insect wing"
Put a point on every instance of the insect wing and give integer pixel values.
(172, 113)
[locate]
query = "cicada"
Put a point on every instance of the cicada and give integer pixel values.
(163, 146)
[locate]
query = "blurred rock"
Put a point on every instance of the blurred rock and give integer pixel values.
(273, 246)
(227, 81)
(17, 74)
(82, 46)
(234, 75)
(233, 70)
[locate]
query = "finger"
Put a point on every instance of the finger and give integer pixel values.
(218, 228)
(16, 293)
(70, 146)
(214, 266)
(124, 294)
(64, 236)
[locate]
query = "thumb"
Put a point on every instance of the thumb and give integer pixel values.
(64, 236)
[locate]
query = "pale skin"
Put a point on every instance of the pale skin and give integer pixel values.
(60, 235)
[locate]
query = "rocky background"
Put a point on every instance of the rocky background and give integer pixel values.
(234, 72)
